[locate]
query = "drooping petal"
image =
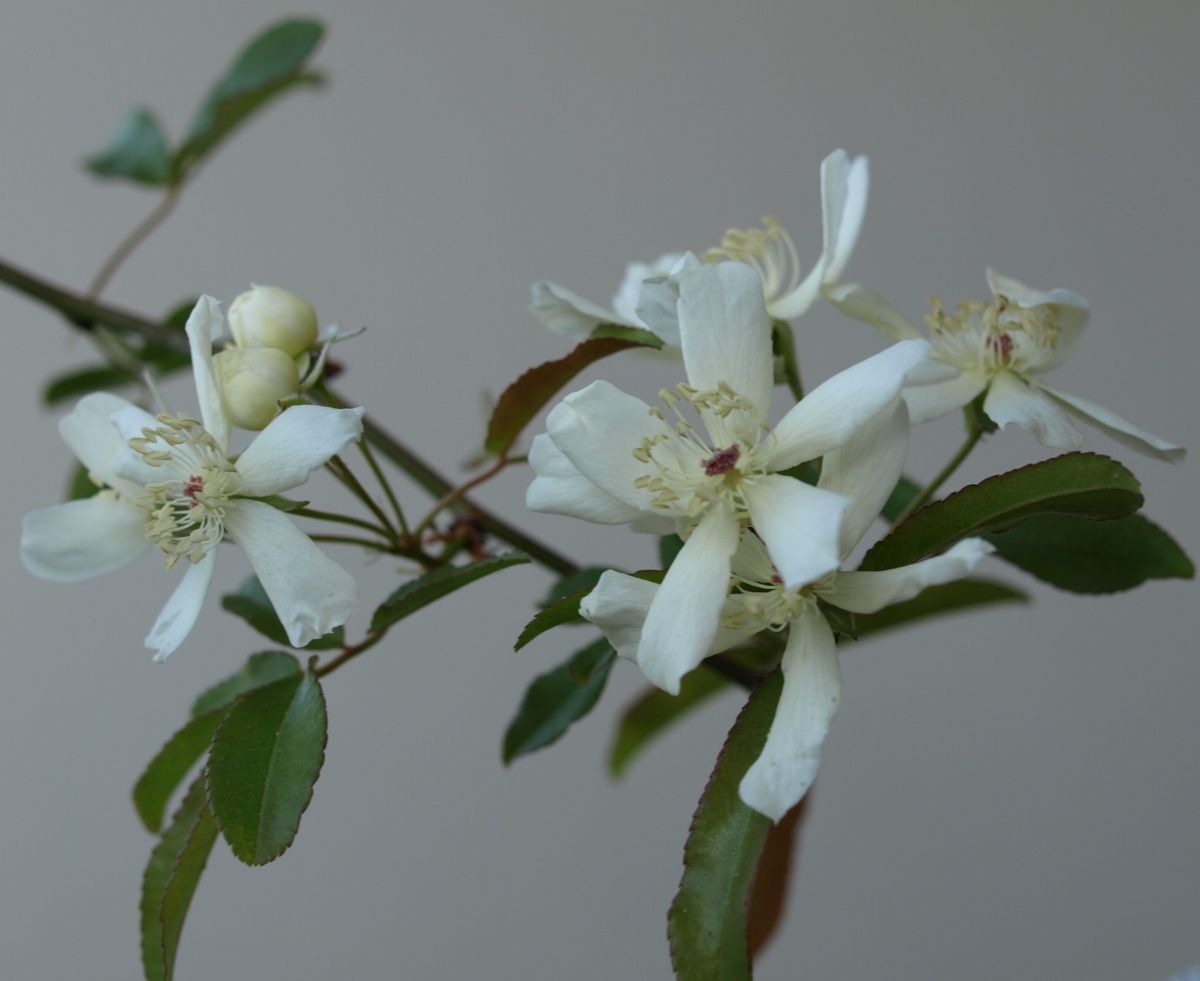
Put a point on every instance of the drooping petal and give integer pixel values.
(598, 429)
(296, 442)
(1071, 312)
(311, 593)
(568, 313)
(1121, 430)
(865, 469)
(80, 539)
(868, 306)
(832, 412)
(812, 690)
(90, 434)
(799, 524)
(629, 294)
(725, 332)
(205, 325)
(559, 488)
(869, 592)
(1011, 400)
(178, 617)
(658, 302)
(686, 612)
(928, 402)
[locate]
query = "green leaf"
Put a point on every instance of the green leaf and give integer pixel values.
(1093, 556)
(432, 586)
(530, 393)
(170, 881)
(138, 152)
(80, 381)
(556, 699)
(270, 65)
(706, 925)
(668, 548)
(265, 758)
(261, 669)
(566, 609)
(642, 338)
(653, 712)
(583, 579)
(1084, 484)
(169, 767)
(768, 894)
(252, 604)
(934, 601)
(79, 484)
(904, 493)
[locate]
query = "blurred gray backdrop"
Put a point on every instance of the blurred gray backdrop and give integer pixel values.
(1012, 795)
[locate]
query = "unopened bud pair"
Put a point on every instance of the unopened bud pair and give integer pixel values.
(272, 328)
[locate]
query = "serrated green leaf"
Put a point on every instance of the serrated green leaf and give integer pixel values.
(584, 578)
(565, 609)
(530, 393)
(170, 882)
(271, 64)
(643, 338)
(80, 381)
(768, 894)
(260, 669)
(1093, 556)
(252, 604)
(558, 698)
(654, 711)
(706, 925)
(138, 152)
(265, 758)
(170, 765)
(1083, 484)
(432, 586)
(936, 601)
(79, 484)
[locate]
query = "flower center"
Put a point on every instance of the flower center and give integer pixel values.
(994, 336)
(701, 462)
(768, 605)
(185, 510)
(770, 250)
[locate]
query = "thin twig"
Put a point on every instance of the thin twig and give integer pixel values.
(135, 238)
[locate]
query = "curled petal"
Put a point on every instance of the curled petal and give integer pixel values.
(1071, 312)
(868, 306)
(812, 690)
(89, 433)
(568, 313)
(296, 442)
(205, 324)
(559, 488)
(799, 525)
(869, 592)
(1121, 430)
(1011, 400)
(178, 617)
(928, 402)
(686, 612)
(311, 593)
(658, 301)
(80, 539)
(629, 294)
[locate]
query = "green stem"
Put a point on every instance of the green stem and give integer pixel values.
(341, 519)
(787, 350)
(135, 238)
(365, 447)
(973, 436)
(337, 466)
(351, 540)
(349, 654)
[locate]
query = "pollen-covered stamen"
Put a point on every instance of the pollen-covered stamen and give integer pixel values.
(769, 605)
(698, 462)
(994, 336)
(186, 510)
(770, 250)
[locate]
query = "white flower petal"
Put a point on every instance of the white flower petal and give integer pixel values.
(658, 302)
(725, 331)
(90, 434)
(598, 428)
(686, 611)
(629, 294)
(751, 561)
(868, 592)
(205, 325)
(178, 617)
(928, 402)
(559, 488)
(799, 524)
(868, 306)
(619, 605)
(865, 469)
(812, 690)
(568, 313)
(1121, 430)
(1072, 312)
(295, 443)
(311, 593)
(1011, 400)
(127, 464)
(80, 539)
(830, 414)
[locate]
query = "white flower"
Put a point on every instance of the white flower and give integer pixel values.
(170, 480)
(713, 467)
(1001, 348)
(864, 470)
(267, 316)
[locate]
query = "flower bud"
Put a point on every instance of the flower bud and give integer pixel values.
(268, 317)
(252, 381)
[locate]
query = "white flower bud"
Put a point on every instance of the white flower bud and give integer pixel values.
(269, 317)
(252, 382)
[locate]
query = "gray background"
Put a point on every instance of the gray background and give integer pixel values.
(1011, 795)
